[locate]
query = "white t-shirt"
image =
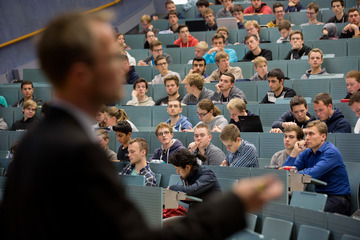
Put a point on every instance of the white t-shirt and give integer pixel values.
(357, 127)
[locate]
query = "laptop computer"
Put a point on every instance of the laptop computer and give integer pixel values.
(250, 124)
(230, 23)
(195, 25)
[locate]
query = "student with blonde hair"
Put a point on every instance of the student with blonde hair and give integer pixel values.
(195, 89)
(260, 66)
(113, 115)
(29, 121)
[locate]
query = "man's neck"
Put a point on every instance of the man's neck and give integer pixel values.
(257, 51)
(315, 70)
(226, 93)
(186, 40)
(277, 21)
(211, 24)
(140, 165)
(141, 98)
(175, 26)
(125, 145)
(168, 145)
(29, 98)
(314, 149)
(202, 149)
(278, 92)
(223, 70)
(313, 21)
(175, 96)
(174, 120)
(164, 73)
(288, 150)
(262, 76)
(339, 16)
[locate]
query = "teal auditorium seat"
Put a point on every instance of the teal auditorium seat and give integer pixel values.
(179, 68)
(175, 180)
(323, 3)
(230, 172)
(4, 163)
(166, 170)
(166, 39)
(158, 179)
(326, 15)
(18, 113)
(149, 200)
(174, 53)
(226, 184)
(145, 72)
(112, 141)
(44, 92)
(353, 47)
(337, 47)
(274, 35)
(135, 41)
(309, 200)
(233, 37)
(265, 19)
(187, 14)
(216, 8)
(139, 54)
(210, 67)
(282, 64)
(310, 232)
(247, 68)
(161, 24)
(241, 35)
(353, 170)
(270, 143)
(348, 113)
(263, 162)
(201, 36)
(298, 18)
(349, 237)
(138, 180)
(273, 47)
(10, 92)
(340, 224)
(246, 234)
(8, 115)
(338, 89)
(192, 116)
(186, 55)
(34, 75)
(158, 91)
(251, 221)
(296, 68)
(250, 90)
(278, 210)
(252, 137)
(304, 216)
(139, 115)
(284, 49)
(277, 229)
(349, 146)
(181, 136)
(239, 49)
(341, 64)
(127, 89)
(209, 35)
(311, 87)
(15, 136)
(4, 141)
(312, 32)
(271, 112)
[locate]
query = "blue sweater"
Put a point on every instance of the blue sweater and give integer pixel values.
(326, 165)
(182, 123)
(337, 123)
(210, 58)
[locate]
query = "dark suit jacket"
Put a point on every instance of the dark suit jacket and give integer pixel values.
(62, 186)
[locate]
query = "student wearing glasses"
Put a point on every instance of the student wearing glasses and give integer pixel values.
(29, 120)
(312, 10)
(156, 49)
(210, 115)
(279, 12)
(162, 66)
(164, 134)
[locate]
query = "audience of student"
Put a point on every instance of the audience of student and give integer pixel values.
(103, 138)
(198, 66)
(113, 115)
(170, 6)
(298, 115)
(338, 9)
(298, 48)
(315, 60)
(352, 79)
(195, 89)
(156, 49)
(200, 49)
(241, 153)
(260, 66)
(294, 6)
(162, 66)
(329, 31)
(177, 121)
(218, 43)
(164, 134)
(146, 24)
(29, 121)
(258, 7)
(237, 12)
(352, 29)
(334, 118)
(226, 90)
(223, 63)
(138, 150)
(172, 89)
(276, 80)
(173, 21)
(202, 144)
(185, 39)
(253, 28)
(209, 17)
(210, 115)
(292, 134)
(139, 97)
(354, 103)
(123, 131)
(284, 28)
(27, 90)
(149, 37)
(252, 43)
(279, 12)
(237, 108)
(322, 160)
(312, 10)
(201, 6)
(197, 181)
(225, 12)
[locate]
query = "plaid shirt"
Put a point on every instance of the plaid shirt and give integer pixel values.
(245, 156)
(150, 179)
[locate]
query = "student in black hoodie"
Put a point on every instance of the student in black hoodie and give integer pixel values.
(298, 48)
(298, 115)
(29, 120)
(237, 108)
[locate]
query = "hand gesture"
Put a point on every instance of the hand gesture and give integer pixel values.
(216, 129)
(275, 130)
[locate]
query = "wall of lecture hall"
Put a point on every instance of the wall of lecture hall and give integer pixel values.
(20, 17)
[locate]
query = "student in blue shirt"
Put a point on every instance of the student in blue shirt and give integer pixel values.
(323, 161)
(218, 43)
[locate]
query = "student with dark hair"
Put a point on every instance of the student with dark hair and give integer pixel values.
(298, 115)
(276, 80)
(27, 90)
(298, 48)
(315, 59)
(312, 10)
(225, 12)
(338, 9)
(197, 181)
(258, 7)
(195, 89)
(185, 39)
(177, 121)
(149, 37)
(209, 17)
(201, 5)
(198, 66)
(354, 103)
(156, 49)
(162, 66)
(252, 43)
(139, 97)
(352, 29)
(173, 21)
(123, 133)
(172, 89)
(237, 12)
(226, 90)
(294, 6)
(170, 6)
(279, 12)
(284, 28)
